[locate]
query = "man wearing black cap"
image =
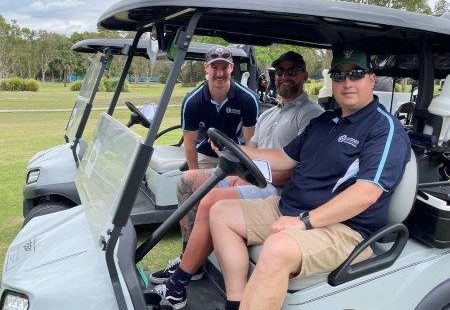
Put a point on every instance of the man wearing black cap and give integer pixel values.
(346, 165)
(220, 103)
(275, 128)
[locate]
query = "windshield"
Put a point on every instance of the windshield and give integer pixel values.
(93, 74)
(103, 172)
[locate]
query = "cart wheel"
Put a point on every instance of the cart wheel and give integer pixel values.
(45, 208)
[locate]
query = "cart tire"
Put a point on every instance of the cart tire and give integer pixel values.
(45, 208)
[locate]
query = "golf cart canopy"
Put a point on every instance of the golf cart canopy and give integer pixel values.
(196, 50)
(319, 24)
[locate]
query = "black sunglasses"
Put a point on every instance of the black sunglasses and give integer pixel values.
(293, 71)
(353, 75)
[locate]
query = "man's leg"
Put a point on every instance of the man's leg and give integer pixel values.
(188, 184)
(199, 245)
(228, 229)
(267, 287)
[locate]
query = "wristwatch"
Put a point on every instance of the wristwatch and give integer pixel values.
(304, 217)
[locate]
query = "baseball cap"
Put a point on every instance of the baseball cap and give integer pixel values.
(349, 55)
(219, 52)
(290, 56)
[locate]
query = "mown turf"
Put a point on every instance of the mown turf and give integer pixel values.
(23, 134)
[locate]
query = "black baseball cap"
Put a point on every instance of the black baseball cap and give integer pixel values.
(290, 56)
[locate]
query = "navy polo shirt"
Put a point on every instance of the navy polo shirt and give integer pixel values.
(334, 152)
(200, 112)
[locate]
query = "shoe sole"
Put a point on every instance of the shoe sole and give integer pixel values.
(154, 280)
(180, 305)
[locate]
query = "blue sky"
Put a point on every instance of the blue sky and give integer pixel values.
(61, 16)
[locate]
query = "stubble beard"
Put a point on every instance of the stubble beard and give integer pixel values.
(288, 90)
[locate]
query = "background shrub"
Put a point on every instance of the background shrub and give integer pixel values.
(75, 86)
(18, 84)
(313, 87)
(109, 85)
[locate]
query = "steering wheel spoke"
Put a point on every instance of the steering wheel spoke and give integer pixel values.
(234, 158)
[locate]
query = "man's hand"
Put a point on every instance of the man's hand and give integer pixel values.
(214, 147)
(287, 222)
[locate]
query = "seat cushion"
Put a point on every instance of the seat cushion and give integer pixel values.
(167, 158)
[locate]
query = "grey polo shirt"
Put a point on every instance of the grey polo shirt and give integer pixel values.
(279, 125)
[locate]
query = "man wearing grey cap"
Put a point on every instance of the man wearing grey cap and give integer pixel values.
(275, 128)
(219, 102)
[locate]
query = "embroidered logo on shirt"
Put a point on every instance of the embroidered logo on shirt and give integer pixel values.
(348, 140)
(232, 111)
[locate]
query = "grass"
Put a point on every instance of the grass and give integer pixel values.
(23, 134)
(56, 96)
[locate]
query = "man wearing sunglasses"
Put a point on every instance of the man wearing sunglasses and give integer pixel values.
(346, 165)
(275, 128)
(220, 103)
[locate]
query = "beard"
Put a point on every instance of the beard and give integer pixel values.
(288, 90)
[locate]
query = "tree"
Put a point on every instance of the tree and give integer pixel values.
(441, 7)
(418, 6)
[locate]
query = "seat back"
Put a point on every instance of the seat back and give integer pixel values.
(440, 106)
(403, 198)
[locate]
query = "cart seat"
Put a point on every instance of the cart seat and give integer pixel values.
(400, 206)
(167, 158)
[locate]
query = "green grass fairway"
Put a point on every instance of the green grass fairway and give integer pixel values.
(56, 96)
(23, 134)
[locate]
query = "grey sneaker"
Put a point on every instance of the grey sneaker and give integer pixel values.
(160, 276)
(177, 300)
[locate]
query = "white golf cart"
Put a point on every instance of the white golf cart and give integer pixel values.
(85, 257)
(50, 175)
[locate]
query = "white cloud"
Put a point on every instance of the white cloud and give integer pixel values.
(54, 5)
(61, 16)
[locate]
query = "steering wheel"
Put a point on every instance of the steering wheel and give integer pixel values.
(136, 116)
(244, 167)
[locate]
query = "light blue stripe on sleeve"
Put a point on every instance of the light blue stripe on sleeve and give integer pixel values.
(251, 95)
(186, 103)
(387, 145)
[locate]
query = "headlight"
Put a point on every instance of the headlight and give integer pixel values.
(14, 301)
(32, 176)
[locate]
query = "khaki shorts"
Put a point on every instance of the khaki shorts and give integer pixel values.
(323, 249)
(206, 162)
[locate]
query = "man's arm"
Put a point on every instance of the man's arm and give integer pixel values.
(277, 158)
(351, 202)
(190, 150)
(248, 133)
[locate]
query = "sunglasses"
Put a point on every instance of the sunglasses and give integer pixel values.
(216, 55)
(293, 71)
(352, 75)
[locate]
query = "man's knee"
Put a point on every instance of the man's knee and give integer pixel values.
(190, 181)
(280, 252)
(218, 212)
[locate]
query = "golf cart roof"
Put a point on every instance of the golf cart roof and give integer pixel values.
(320, 24)
(196, 50)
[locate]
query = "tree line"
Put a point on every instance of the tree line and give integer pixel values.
(46, 56)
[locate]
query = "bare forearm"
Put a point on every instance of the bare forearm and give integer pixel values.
(248, 133)
(191, 156)
(279, 161)
(351, 202)
(279, 178)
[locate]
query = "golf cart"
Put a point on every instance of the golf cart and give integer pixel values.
(85, 257)
(50, 175)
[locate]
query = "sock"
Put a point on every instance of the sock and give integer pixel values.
(178, 281)
(232, 305)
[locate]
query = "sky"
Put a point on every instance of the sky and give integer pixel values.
(61, 16)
